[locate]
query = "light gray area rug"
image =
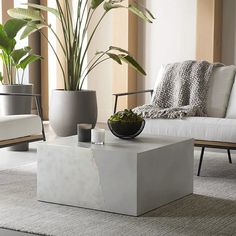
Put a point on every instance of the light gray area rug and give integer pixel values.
(211, 210)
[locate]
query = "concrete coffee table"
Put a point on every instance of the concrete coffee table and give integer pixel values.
(128, 177)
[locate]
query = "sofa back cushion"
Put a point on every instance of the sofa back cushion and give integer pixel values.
(231, 109)
(220, 86)
(219, 94)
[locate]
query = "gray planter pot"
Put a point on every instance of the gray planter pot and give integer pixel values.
(69, 108)
(13, 105)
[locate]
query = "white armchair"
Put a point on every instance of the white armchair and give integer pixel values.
(17, 129)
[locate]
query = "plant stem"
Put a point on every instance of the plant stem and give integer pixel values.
(83, 12)
(88, 64)
(54, 51)
(103, 54)
(22, 78)
(77, 40)
(91, 68)
(88, 18)
(5, 62)
(59, 41)
(89, 41)
(18, 76)
(62, 16)
(8, 69)
(64, 27)
(77, 20)
(79, 67)
(70, 64)
(8, 76)
(68, 7)
(11, 71)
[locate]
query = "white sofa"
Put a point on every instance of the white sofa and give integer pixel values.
(220, 125)
(218, 130)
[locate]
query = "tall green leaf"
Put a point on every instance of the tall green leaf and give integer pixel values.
(138, 13)
(13, 26)
(18, 54)
(96, 3)
(150, 14)
(118, 49)
(133, 63)
(127, 58)
(31, 28)
(110, 5)
(25, 14)
(148, 11)
(44, 8)
(6, 44)
(113, 56)
(29, 59)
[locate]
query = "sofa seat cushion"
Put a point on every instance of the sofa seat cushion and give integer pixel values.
(15, 126)
(202, 128)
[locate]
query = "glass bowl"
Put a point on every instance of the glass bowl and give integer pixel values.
(126, 130)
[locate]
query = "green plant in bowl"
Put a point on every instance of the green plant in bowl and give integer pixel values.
(126, 124)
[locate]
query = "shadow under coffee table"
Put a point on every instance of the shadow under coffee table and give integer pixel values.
(127, 177)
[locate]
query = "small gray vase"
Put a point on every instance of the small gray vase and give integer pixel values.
(69, 108)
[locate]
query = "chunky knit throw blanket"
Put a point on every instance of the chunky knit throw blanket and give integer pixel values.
(182, 91)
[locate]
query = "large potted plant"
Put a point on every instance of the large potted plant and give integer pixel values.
(73, 104)
(15, 61)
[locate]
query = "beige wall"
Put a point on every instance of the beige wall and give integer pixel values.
(125, 34)
(171, 38)
(101, 77)
(209, 30)
(229, 32)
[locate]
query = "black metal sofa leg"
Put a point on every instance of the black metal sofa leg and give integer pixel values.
(200, 162)
(229, 156)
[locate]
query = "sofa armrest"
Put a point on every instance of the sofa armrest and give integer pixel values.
(117, 95)
(20, 94)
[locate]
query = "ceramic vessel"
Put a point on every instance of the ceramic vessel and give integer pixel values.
(69, 108)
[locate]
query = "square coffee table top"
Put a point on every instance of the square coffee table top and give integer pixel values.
(142, 143)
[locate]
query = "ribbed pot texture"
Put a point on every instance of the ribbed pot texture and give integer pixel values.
(15, 105)
(69, 108)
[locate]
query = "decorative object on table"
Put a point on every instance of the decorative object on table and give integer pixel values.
(15, 61)
(84, 132)
(75, 47)
(126, 124)
(98, 136)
